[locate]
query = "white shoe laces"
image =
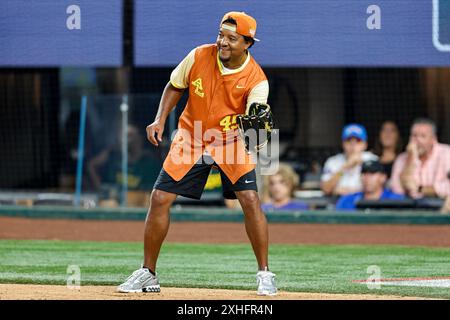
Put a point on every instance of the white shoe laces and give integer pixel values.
(266, 277)
(135, 275)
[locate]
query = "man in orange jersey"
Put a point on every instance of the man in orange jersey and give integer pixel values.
(223, 81)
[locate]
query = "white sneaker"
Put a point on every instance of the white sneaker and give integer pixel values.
(140, 281)
(266, 283)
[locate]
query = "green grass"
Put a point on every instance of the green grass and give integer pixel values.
(302, 268)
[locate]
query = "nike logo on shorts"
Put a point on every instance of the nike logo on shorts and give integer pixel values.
(249, 181)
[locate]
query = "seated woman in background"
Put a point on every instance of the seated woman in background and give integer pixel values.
(388, 145)
(279, 189)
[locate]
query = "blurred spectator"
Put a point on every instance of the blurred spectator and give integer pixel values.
(311, 180)
(373, 178)
(342, 172)
(421, 171)
(142, 170)
(280, 189)
(69, 137)
(388, 145)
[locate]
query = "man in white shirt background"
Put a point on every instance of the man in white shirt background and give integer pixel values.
(342, 172)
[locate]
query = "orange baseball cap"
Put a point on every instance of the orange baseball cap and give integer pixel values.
(245, 24)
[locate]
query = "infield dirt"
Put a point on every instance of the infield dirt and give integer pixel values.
(52, 292)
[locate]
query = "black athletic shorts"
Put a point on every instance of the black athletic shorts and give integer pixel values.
(193, 183)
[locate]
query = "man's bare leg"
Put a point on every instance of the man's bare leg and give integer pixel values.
(255, 225)
(156, 226)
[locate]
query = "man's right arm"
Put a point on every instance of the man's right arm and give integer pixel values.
(407, 178)
(331, 180)
(329, 185)
(179, 81)
(169, 100)
(330, 177)
(397, 169)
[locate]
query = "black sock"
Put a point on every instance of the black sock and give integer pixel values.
(150, 270)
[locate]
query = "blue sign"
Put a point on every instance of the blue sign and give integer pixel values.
(302, 32)
(60, 33)
(441, 24)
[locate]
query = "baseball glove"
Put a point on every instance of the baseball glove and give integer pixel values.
(259, 118)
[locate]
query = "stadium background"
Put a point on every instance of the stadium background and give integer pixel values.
(325, 66)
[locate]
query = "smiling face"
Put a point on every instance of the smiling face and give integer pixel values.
(232, 46)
